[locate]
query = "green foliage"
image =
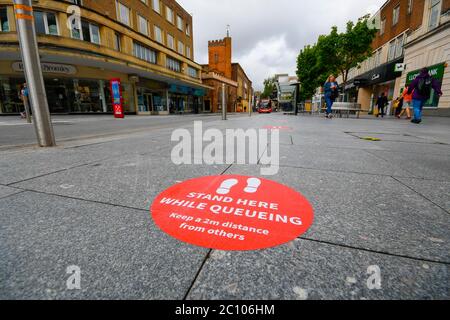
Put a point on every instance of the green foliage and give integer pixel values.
(269, 87)
(335, 53)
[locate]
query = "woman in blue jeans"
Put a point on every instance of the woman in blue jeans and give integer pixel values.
(331, 92)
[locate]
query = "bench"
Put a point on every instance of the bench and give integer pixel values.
(345, 107)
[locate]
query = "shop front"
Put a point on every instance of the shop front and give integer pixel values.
(152, 97)
(184, 99)
(437, 72)
(385, 78)
(69, 89)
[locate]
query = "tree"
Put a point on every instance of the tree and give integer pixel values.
(269, 87)
(341, 52)
(309, 72)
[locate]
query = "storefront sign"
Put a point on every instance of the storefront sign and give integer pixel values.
(116, 94)
(436, 71)
(48, 68)
(232, 213)
(399, 67)
(186, 90)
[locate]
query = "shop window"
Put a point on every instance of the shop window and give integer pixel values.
(395, 15)
(157, 6)
(435, 10)
(142, 52)
(158, 34)
(180, 47)
(173, 64)
(143, 25)
(4, 25)
(180, 23)
(46, 23)
(193, 72)
(123, 13)
(169, 14)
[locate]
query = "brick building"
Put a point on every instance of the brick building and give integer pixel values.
(221, 71)
(413, 33)
(147, 44)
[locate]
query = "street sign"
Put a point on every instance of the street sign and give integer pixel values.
(235, 213)
(116, 94)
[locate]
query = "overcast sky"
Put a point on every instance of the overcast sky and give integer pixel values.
(268, 34)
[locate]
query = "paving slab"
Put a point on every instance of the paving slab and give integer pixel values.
(436, 191)
(7, 191)
(132, 181)
(337, 159)
(368, 211)
(309, 270)
(420, 165)
(121, 253)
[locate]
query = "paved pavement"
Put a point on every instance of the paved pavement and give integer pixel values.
(86, 203)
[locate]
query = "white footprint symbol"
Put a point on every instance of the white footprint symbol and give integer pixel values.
(252, 185)
(226, 186)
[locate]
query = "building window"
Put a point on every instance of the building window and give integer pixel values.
(383, 26)
(117, 42)
(180, 47)
(188, 30)
(391, 54)
(77, 2)
(169, 14)
(188, 52)
(123, 13)
(410, 6)
(46, 23)
(144, 53)
(173, 64)
(143, 25)
(400, 44)
(158, 34)
(170, 42)
(4, 25)
(395, 15)
(193, 72)
(89, 32)
(435, 10)
(180, 23)
(157, 6)
(144, 1)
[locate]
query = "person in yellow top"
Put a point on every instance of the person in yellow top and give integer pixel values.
(407, 103)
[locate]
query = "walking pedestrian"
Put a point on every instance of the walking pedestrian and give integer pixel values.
(331, 91)
(407, 104)
(420, 89)
(398, 106)
(24, 96)
(382, 102)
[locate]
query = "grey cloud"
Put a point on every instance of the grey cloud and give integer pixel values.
(285, 26)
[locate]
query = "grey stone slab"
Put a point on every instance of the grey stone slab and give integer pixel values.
(337, 159)
(133, 180)
(309, 270)
(121, 253)
(425, 148)
(7, 191)
(420, 165)
(368, 211)
(436, 191)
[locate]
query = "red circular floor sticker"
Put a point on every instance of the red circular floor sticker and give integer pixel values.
(232, 212)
